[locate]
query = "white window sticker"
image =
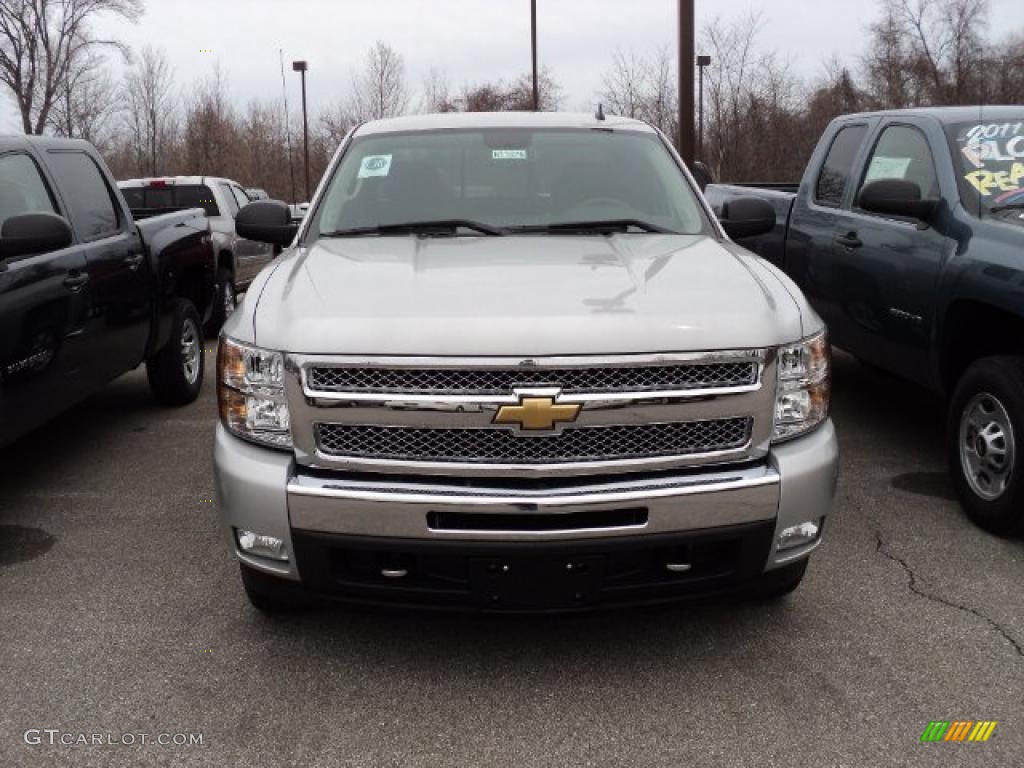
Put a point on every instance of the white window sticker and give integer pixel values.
(508, 154)
(375, 165)
(887, 168)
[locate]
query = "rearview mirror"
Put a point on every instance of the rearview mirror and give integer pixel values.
(747, 217)
(896, 197)
(30, 233)
(266, 221)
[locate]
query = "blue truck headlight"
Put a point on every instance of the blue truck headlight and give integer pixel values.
(804, 387)
(250, 393)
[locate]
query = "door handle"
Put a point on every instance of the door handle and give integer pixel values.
(76, 281)
(134, 262)
(849, 240)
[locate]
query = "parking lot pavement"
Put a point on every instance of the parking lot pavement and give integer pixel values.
(123, 614)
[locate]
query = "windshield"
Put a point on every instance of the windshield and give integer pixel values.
(508, 179)
(990, 160)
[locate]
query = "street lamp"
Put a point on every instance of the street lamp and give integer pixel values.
(702, 61)
(302, 67)
(533, 49)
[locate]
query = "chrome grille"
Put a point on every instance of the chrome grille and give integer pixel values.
(487, 381)
(500, 446)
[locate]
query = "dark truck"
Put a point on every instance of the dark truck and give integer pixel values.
(86, 292)
(907, 235)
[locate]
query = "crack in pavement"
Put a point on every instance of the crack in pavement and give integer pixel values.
(912, 584)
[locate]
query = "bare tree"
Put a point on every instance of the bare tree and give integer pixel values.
(437, 93)
(379, 90)
(927, 52)
(87, 104)
(150, 106)
(643, 89)
(210, 133)
(41, 40)
(499, 96)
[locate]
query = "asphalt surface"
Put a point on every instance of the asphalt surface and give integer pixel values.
(122, 613)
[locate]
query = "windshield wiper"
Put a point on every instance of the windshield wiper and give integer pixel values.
(1007, 207)
(419, 228)
(601, 227)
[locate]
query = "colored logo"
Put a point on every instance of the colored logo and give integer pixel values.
(958, 730)
(537, 413)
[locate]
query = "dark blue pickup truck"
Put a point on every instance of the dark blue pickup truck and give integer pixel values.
(907, 235)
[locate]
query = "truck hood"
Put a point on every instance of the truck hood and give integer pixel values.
(523, 295)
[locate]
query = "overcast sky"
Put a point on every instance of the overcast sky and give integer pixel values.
(471, 40)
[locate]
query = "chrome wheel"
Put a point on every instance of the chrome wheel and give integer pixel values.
(190, 350)
(987, 446)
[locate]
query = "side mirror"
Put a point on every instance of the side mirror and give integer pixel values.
(896, 197)
(747, 217)
(30, 233)
(266, 221)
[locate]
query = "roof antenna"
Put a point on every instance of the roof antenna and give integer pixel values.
(600, 112)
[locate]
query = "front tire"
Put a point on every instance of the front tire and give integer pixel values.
(985, 439)
(260, 589)
(175, 373)
(776, 584)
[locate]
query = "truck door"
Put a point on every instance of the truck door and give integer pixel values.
(886, 268)
(41, 311)
(118, 290)
(809, 248)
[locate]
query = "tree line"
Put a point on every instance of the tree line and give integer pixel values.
(761, 120)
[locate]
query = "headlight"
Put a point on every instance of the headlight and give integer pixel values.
(805, 384)
(250, 393)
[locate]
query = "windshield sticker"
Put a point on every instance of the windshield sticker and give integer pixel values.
(994, 155)
(887, 168)
(508, 154)
(375, 165)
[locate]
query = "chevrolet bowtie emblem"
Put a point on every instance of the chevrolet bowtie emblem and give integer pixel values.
(537, 413)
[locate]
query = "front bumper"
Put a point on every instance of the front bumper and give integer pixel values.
(343, 531)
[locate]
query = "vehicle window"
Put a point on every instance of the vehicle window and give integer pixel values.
(990, 163)
(22, 189)
(508, 178)
(135, 197)
(240, 197)
(196, 196)
(903, 153)
(229, 200)
(838, 165)
(90, 202)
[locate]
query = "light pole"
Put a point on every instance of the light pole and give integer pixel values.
(702, 61)
(533, 48)
(687, 45)
(302, 67)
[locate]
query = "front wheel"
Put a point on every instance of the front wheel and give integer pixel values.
(175, 373)
(776, 584)
(983, 437)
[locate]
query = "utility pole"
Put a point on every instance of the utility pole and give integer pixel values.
(687, 49)
(302, 67)
(533, 44)
(287, 126)
(702, 63)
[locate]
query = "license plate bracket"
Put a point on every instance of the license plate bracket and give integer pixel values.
(537, 582)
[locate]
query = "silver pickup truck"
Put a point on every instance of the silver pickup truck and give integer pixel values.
(512, 362)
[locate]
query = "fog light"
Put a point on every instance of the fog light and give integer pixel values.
(798, 535)
(262, 546)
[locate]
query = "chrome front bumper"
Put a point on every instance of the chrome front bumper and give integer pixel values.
(264, 491)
